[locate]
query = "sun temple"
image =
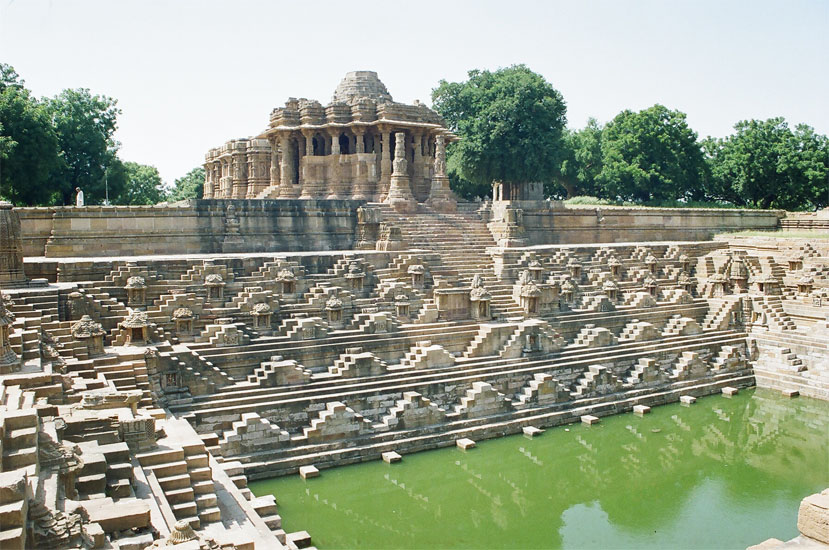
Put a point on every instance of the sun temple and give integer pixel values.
(350, 149)
(329, 301)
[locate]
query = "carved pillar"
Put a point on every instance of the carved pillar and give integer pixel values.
(308, 167)
(274, 168)
(335, 142)
(239, 183)
(417, 168)
(361, 189)
(400, 193)
(440, 196)
(385, 162)
(207, 193)
(333, 179)
(288, 180)
(360, 145)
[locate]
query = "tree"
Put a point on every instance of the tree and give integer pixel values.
(651, 155)
(144, 185)
(189, 186)
(84, 124)
(510, 122)
(581, 162)
(30, 150)
(765, 164)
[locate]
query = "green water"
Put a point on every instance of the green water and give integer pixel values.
(723, 473)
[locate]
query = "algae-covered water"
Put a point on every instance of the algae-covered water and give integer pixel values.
(722, 473)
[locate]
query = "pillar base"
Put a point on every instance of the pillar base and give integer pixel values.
(400, 195)
(441, 197)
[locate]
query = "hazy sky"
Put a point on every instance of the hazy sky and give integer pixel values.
(191, 75)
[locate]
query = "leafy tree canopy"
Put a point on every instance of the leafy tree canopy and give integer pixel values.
(766, 164)
(510, 122)
(29, 150)
(651, 155)
(143, 185)
(189, 186)
(581, 162)
(84, 124)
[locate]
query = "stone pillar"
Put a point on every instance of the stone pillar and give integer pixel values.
(11, 248)
(440, 196)
(308, 166)
(274, 169)
(309, 142)
(360, 145)
(334, 180)
(287, 181)
(385, 163)
(335, 142)
(400, 193)
(207, 193)
(361, 189)
(240, 181)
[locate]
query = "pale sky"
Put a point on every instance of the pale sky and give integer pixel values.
(191, 75)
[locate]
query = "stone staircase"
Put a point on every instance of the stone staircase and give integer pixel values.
(184, 475)
(719, 312)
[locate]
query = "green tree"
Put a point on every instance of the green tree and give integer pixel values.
(84, 124)
(651, 155)
(581, 162)
(510, 122)
(30, 153)
(189, 186)
(144, 185)
(765, 164)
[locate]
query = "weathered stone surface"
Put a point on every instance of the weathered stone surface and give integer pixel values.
(813, 517)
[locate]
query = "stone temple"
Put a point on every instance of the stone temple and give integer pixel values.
(345, 150)
(329, 301)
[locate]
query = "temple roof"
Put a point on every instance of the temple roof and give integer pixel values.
(361, 84)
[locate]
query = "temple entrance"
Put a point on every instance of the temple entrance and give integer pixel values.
(345, 144)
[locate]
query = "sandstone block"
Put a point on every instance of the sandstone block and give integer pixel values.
(791, 393)
(391, 456)
(95, 534)
(532, 431)
(641, 409)
(589, 419)
(813, 517)
(728, 391)
(118, 516)
(465, 443)
(307, 472)
(687, 399)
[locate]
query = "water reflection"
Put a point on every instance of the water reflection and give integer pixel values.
(722, 473)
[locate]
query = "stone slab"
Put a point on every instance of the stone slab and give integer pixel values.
(813, 517)
(687, 399)
(728, 391)
(465, 443)
(118, 516)
(391, 456)
(641, 410)
(589, 419)
(532, 431)
(307, 472)
(791, 393)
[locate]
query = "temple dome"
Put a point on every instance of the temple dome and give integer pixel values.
(361, 84)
